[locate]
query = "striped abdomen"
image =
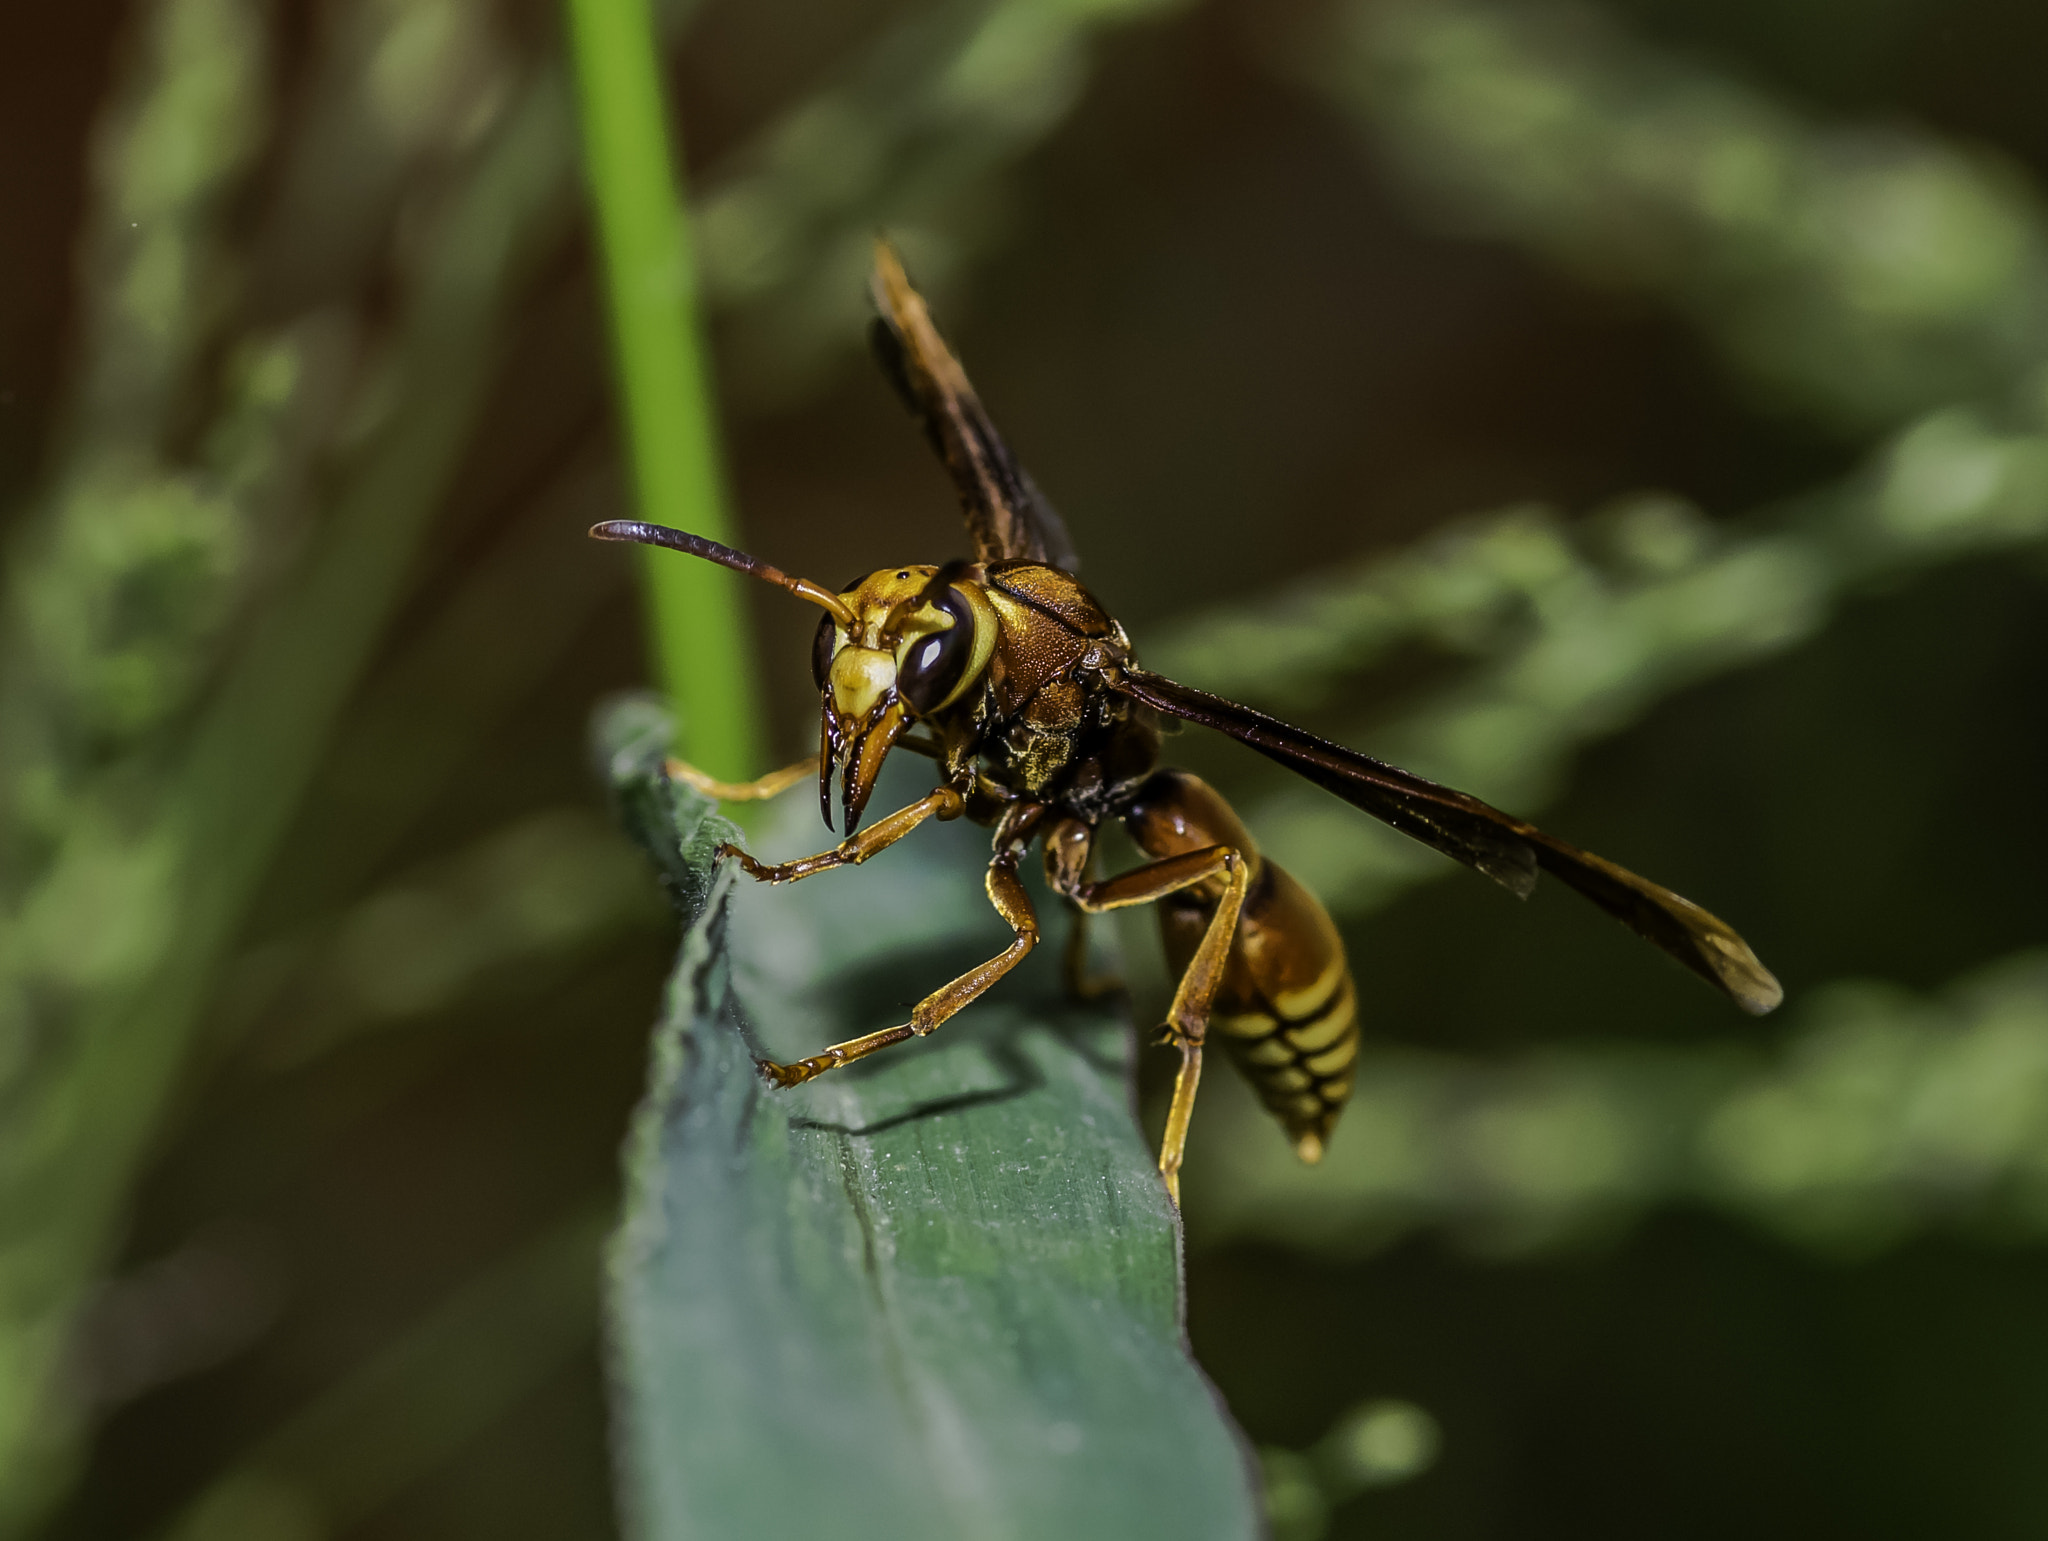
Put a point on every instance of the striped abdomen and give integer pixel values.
(1286, 1011)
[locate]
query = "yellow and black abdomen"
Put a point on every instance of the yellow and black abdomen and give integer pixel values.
(1286, 1011)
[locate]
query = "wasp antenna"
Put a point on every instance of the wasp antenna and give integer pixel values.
(711, 551)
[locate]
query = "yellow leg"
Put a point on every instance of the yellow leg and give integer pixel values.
(1069, 853)
(1187, 1019)
(771, 785)
(940, 802)
(1174, 1142)
(1007, 894)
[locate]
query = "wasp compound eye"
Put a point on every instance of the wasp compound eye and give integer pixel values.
(821, 652)
(931, 669)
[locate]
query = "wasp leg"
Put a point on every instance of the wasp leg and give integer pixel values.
(1069, 852)
(1007, 894)
(1080, 983)
(774, 784)
(1187, 1019)
(940, 802)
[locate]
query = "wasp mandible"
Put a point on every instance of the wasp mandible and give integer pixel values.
(1008, 673)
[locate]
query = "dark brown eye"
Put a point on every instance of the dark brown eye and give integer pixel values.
(931, 669)
(821, 653)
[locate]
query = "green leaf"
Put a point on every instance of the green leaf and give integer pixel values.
(934, 1294)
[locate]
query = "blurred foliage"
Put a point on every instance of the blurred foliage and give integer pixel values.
(323, 984)
(1861, 274)
(148, 810)
(112, 614)
(413, 1405)
(1571, 631)
(1379, 1443)
(1881, 1114)
(911, 139)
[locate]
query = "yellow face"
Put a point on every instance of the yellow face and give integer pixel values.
(908, 653)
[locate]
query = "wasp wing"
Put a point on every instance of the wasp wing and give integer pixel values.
(1007, 516)
(1506, 849)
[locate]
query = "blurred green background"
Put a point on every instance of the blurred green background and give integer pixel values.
(1635, 413)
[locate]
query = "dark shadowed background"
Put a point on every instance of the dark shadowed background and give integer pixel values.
(1635, 412)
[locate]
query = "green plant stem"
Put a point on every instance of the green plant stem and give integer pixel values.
(699, 630)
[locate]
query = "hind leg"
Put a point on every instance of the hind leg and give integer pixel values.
(1187, 1018)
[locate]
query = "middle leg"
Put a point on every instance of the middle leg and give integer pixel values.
(1069, 854)
(1011, 902)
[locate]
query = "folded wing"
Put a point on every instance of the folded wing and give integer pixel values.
(1506, 849)
(1007, 517)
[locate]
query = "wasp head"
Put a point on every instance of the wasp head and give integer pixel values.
(902, 644)
(911, 642)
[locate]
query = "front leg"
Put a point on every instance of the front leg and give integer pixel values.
(941, 803)
(774, 784)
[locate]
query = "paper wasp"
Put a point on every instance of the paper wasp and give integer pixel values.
(1013, 678)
